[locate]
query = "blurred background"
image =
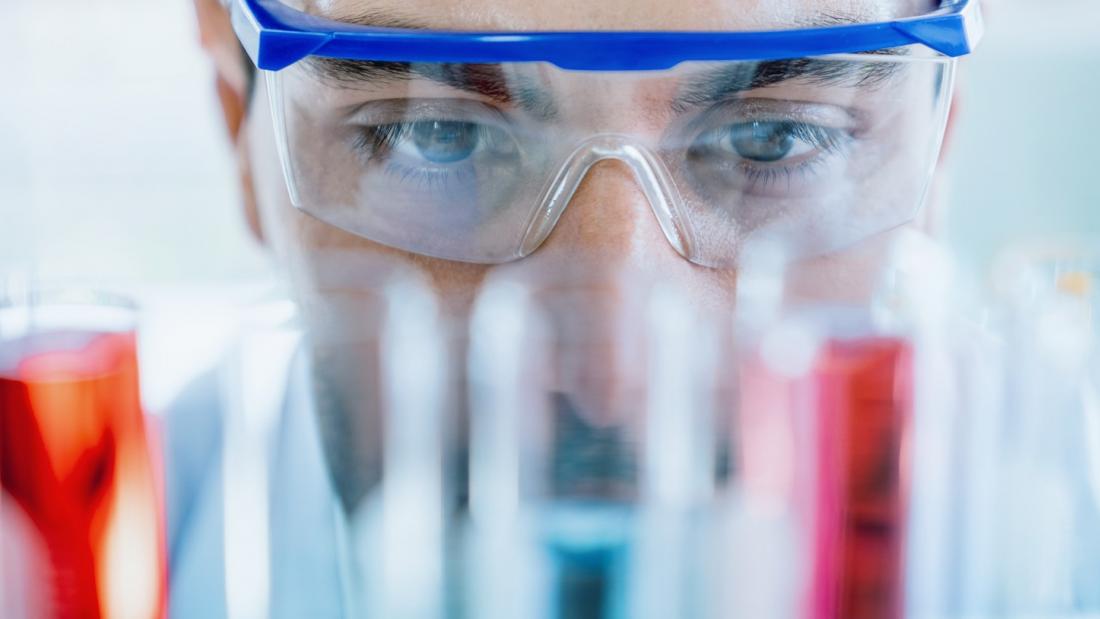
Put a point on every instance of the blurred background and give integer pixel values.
(114, 170)
(1023, 165)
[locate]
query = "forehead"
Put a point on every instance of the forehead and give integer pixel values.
(615, 14)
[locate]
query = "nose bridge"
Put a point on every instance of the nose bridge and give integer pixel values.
(611, 230)
(587, 190)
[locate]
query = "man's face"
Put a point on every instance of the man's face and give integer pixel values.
(606, 239)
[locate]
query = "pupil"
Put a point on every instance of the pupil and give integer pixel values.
(445, 141)
(762, 141)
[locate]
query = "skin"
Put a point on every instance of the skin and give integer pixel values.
(607, 235)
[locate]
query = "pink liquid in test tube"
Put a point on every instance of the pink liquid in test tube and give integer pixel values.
(861, 401)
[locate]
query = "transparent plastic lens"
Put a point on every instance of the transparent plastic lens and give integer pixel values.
(477, 162)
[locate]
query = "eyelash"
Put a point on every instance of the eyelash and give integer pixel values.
(827, 141)
(760, 176)
(376, 141)
(824, 138)
(373, 143)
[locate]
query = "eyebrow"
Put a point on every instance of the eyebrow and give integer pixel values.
(487, 80)
(707, 88)
(726, 82)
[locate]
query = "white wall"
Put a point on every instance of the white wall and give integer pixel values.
(113, 169)
(1025, 163)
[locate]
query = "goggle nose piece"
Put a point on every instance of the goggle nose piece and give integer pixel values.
(651, 174)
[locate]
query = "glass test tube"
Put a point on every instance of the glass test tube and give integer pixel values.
(415, 379)
(1044, 509)
(822, 439)
(508, 574)
(81, 482)
(392, 539)
(254, 378)
(576, 496)
(668, 569)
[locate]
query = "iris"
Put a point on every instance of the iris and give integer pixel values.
(441, 141)
(765, 142)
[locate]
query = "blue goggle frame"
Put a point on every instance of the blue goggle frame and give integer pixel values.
(276, 36)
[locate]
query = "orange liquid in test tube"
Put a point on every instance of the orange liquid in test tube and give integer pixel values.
(78, 470)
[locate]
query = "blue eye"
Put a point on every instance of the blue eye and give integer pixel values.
(441, 141)
(764, 142)
(441, 158)
(438, 144)
(749, 157)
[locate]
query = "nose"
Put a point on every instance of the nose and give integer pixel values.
(592, 276)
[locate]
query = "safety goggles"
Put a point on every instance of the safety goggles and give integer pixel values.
(469, 146)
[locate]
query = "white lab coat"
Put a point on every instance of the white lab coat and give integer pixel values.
(304, 574)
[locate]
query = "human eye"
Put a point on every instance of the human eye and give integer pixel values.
(769, 142)
(436, 144)
(766, 149)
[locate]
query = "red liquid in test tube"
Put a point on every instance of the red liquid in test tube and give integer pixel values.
(860, 396)
(77, 468)
(829, 443)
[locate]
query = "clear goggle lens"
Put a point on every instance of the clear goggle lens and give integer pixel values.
(476, 162)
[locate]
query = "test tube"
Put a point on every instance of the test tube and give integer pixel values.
(757, 568)
(863, 409)
(376, 381)
(358, 488)
(81, 505)
(508, 576)
(923, 296)
(590, 449)
(254, 378)
(826, 410)
(415, 385)
(1002, 514)
(678, 461)
(552, 469)
(391, 540)
(1044, 508)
